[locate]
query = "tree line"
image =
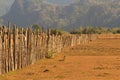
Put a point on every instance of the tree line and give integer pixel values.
(96, 30)
(83, 30)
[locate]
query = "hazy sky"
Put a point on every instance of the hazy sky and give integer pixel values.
(5, 6)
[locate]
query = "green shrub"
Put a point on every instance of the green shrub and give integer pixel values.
(50, 54)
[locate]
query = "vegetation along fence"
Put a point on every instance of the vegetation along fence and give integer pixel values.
(21, 47)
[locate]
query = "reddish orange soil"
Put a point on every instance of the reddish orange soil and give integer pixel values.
(98, 60)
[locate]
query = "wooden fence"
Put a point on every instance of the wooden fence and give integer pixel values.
(20, 48)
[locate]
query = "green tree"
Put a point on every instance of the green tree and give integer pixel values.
(35, 27)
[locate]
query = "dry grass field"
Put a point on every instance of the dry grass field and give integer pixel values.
(98, 60)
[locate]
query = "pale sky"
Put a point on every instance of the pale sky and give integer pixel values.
(5, 6)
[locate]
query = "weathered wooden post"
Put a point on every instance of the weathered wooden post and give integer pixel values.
(20, 44)
(32, 48)
(15, 37)
(37, 43)
(29, 46)
(9, 48)
(21, 48)
(48, 39)
(42, 45)
(1, 54)
(25, 48)
(3, 50)
(6, 53)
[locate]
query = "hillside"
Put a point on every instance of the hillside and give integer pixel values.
(105, 13)
(59, 1)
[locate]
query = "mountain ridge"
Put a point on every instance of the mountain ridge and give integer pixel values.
(80, 13)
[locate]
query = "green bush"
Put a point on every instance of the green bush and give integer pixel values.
(50, 54)
(57, 32)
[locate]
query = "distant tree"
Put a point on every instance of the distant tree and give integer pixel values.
(57, 32)
(75, 31)
(36, 27)
(95, 30)
(118, 31)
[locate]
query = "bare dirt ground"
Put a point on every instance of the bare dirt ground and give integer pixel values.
(98, 60)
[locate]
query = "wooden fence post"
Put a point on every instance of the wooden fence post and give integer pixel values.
(9, 48)
(48, 40)
(15, 42)
(21, 47)
(1, 55)
(3, 50)
(29, 33)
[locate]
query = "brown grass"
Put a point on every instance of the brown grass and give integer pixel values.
(98, 60)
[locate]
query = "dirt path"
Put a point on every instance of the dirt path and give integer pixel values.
(98, 60)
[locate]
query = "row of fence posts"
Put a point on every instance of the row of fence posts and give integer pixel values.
(22, 47)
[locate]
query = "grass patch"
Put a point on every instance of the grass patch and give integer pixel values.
(103, 75)
(12, 73)
(1, 77)
(60, 76)
(50, 54)
(99, 68)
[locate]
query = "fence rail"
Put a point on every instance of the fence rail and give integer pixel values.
(20, 48)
